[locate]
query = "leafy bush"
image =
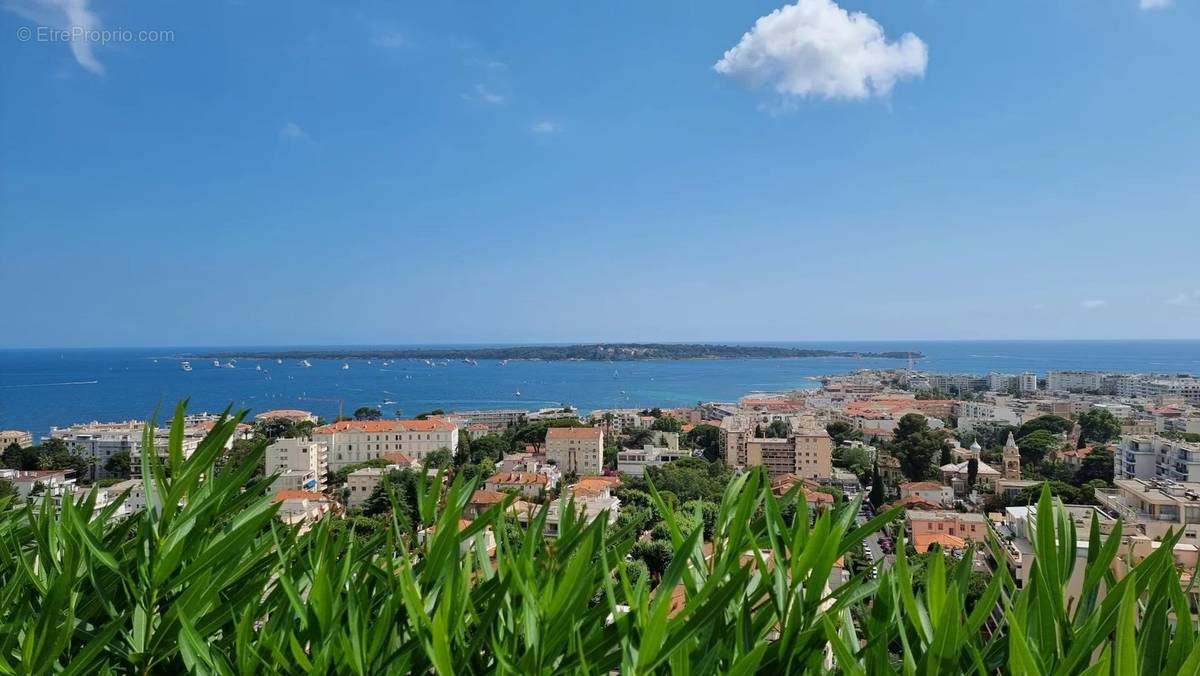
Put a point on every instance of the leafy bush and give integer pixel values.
(208, 580)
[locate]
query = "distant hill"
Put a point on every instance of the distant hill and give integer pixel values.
(586, 352)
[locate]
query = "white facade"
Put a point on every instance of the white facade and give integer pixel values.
(300, 463)
(96, 442)
(354, 441)
(19, 437)
(1149, 456)
(635, 461)
(1074, 381)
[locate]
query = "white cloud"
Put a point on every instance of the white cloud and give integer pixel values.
(67, 15)
(487, 95)
(816, 48)
(545, 127)
(1151, 5)
(1093, 304)
(1185, 299)
(291, 130)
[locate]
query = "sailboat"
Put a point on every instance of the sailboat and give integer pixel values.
(345, 366)
(306, 364)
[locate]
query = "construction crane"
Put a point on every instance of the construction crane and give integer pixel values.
(338, 401)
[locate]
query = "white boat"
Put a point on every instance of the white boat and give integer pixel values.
(258, 367)
(186, 366)
(217, 363)
(345, 367)
(518, 393)
(306, 364)
(278, 361)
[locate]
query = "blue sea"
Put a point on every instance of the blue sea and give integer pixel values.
(44, 387)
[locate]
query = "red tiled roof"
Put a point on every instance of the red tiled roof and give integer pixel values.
(518, 478)
(300, 495)
(485, 497)
(921, 486)
(430, 425)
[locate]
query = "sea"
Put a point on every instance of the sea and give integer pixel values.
(40, 388)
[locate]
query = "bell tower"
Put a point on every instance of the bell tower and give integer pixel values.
(1012, 459)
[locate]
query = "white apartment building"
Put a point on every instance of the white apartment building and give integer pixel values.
(635, 461)
(957, 382)
(576, 449)
(19, 437)
(40, 484)
(300, 463)
(1149, 456)
(354, 441)
(497, 420)
(1074, 381)
(96, 442)
(361, 483)
(974, 412)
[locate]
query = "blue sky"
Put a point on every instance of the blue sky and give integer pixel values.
(309, 172)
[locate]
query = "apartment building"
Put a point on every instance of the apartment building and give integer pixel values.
(635, 461)
(497, 420)
(354, 441)
(1152, 506)
(576, 449)
(40, 484)
(1149, 456)
(361, 483)
(96, 442)
(19, 437)
(300, 463)
(806, 451)
(1074, 381)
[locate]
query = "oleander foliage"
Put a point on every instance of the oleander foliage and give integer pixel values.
(207, 580)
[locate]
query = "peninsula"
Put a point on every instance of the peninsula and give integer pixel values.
(581, 352)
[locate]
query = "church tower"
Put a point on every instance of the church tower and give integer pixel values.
(1012, 459)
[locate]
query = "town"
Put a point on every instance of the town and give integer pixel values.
(965, 457)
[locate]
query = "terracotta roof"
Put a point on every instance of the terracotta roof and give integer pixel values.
(518, 478)
(593, 485)
(397, 458)
(915, 501)
(573, 433)
(300, 495)
(923, 541)
(430, 425)
(921, 486)
(817, 497)
(485, 497)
